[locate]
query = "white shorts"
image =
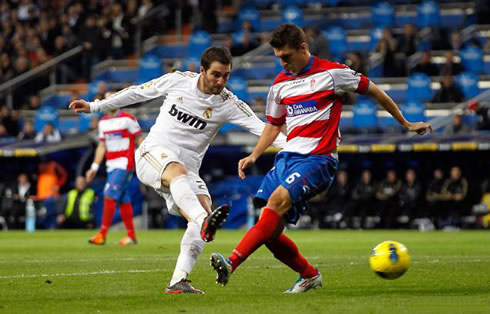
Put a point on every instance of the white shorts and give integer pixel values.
(151, 161)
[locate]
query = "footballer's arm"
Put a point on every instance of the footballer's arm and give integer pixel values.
(269, 134)
(99, 157)
(384, 100)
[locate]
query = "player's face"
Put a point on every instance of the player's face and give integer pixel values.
(293, 60)
(215, 78)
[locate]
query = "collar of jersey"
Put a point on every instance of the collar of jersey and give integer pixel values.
(303, 71)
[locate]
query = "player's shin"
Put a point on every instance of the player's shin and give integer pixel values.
(186, 199)
(259, 234)
(285, 250)
(191, 247)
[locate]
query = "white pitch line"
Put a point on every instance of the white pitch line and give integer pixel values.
(137, 271)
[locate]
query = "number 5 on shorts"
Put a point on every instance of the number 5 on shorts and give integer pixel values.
(292, 177)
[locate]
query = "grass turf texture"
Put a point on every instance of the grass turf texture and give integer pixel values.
(58, 272)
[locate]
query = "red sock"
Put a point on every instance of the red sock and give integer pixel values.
(127, 216)
(255, 237)
(108, 215)
(285, 250)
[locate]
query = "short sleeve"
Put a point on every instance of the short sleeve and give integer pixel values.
(275, 112)
(134, 127)
(101, 134)
(348, 80)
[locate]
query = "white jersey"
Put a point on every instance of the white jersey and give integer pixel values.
(188, 119)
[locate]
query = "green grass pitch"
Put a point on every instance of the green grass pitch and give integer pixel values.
(58, 272)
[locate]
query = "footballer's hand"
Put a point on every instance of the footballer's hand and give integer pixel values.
(80, 106)
(90, 175)
(420, 127)
(244, 164)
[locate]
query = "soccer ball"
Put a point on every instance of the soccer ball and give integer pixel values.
(389, 259)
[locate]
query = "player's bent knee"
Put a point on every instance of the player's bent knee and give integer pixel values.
(279, 201)
(173, 170)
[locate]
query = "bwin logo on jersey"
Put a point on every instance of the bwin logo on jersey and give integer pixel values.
(187, 118)
(301, 108)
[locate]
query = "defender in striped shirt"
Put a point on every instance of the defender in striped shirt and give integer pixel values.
(119, 132)
(306, 98)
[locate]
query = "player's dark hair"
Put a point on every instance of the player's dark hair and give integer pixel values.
(219, 54)
(288, 35)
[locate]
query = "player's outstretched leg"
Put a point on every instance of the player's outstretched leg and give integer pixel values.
(223, 268)
(183, 286)
(213, 221)
(305, 284)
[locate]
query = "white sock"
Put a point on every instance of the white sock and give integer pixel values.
(191, 247)
(187, 200)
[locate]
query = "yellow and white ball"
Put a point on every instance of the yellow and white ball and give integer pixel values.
(389, 259)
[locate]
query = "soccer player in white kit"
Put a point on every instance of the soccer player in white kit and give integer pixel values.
(195, 107)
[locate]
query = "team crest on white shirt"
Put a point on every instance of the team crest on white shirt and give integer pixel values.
(208, 113)
(180, 100)
(312, 84)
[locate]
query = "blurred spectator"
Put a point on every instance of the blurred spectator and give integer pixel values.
(145, 6)
(77, 212)
(34, 103)
(456, 41)
(454, 193)
(389, 63)
(363, 197)
(6, 69)
(457, 125)
(387, 195)
(354, 61)
(66, 71)
(118, 32)
(483, 115)
(209, 20)
(248, 43)
(338, 201)
(317, 42)
(434, 195)
(407, 43)
(52, 176)
(91, 38)
(48, 134)
(259, 105)
(28, 132)
(9, 121)
(425, 65)
(13, 203)
(409, 197)
(448, 92)
(450, 67)
(3, 131)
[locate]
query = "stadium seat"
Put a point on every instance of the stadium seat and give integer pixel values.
(191, 64)
(364, 118)
(428, 14)
(418, 87)
(287, 3)
(337, 41)
(150, 67)
(383, 14)
(44, 115)
(239, 87)
(468, 83)
(84, 121)
(375, 35)
(198, 42)
(292, 14)
(250, 14)
(93, 88)
(414, 111)
(472, 59)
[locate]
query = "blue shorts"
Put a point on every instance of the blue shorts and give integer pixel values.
(117, 186)
(303, 176)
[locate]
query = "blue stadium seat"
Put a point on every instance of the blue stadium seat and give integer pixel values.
(93, 88)
(428, 14)
(198, 42)
(337, 41)
(44, 115)
(239, 87)
(150, 67)
(383, 14)
(375, 35)
(191, 64)
(68, 126)
(84, 121)
(414, 111)
(250, 14)
(418, 87)
(287, 3)
(472, 59)
(292, 14)
(365, 116)
(468, 83)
